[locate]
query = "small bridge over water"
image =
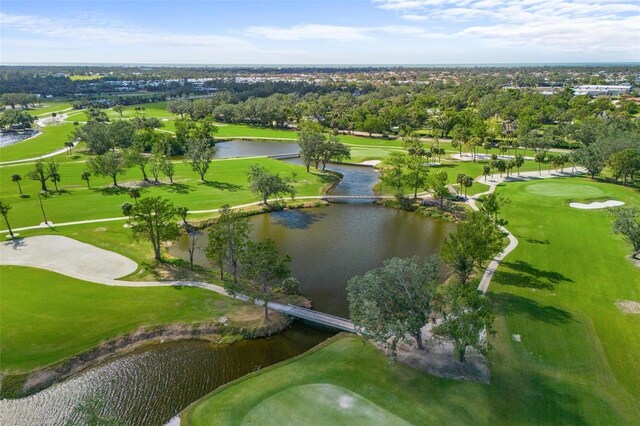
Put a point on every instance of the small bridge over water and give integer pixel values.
(355, 197)
(315, 316)
(284, 156)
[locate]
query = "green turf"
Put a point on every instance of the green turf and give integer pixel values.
(52, 139)
(47, 317)
(226, 184)
(45, 108)
(577, 361)
(324, 404)
(564, 189)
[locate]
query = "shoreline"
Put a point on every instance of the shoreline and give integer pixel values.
(21, 385)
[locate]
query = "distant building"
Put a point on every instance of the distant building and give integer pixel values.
(598, 90)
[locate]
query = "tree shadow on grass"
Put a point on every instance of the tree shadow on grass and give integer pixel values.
(178, 188)
(523, 274)
(509, 304)
(532, 240)
(111, 190)
(222, 186)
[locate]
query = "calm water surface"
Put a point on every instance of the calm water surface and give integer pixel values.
(151, 385)
(9, 138)
(233, 149)
(329, 245)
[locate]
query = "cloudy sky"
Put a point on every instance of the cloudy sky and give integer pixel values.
(319, 32)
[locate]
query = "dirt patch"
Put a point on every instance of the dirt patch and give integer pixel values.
(242, 325)
(438, 359)
(628, 306)
(101, 229)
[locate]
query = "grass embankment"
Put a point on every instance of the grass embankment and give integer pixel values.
(226, 184)
(52, 139)
(576, 358)
(48, 317)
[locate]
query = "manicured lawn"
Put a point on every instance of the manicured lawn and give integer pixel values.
(576, 358)
(47, 317)
(52, 139)
(47, 107)
(226, 184)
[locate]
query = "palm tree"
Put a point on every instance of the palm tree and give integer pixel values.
(486, 171)
(69, 145)
(4, 211)
(467, 183)
(539, 158)
(55, 177)
(519, 161)
(17, 178)
(127, 209)
(86, 176)
(134, 193)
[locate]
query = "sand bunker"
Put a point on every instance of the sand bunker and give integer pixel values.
(628, 306)
(597, 205)
(370, 163)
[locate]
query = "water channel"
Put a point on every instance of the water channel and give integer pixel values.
(9, 138)
(328, 245)
(151, 385)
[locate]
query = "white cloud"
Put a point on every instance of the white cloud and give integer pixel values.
(310, 32)
(112, 32)
(587, 26)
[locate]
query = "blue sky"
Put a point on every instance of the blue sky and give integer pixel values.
(319, 32)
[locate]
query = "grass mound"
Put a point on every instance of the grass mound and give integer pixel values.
(324, 404)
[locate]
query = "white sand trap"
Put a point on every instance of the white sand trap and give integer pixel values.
(370, 163)
(628, 306)
(516, 337)
(66, 256)
(597, 205)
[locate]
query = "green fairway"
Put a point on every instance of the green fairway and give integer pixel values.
(52, 139)
(226, 184)
(47, 317)
(576, 358)
(47, 107)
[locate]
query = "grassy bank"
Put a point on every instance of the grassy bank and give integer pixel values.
(47, 317)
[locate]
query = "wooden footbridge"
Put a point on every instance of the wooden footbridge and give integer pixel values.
(315, 317)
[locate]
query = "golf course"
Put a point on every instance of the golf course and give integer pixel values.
(566, 348)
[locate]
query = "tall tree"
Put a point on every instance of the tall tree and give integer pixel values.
(42, 172)
(475, 241)
(417, 170)
(86, 176)
(228, 238)
(17, 178)
(312, 140)
(109, 164)
(262, 265)
(153, 219)
(267, 184)
(467, 319)
(199, 155)
(395, 301)
(4, 211)
(437, 185)
(393, 173)
(333, 150)
(626, 223)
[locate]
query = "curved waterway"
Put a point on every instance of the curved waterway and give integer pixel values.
(9, 138)
(151, 385)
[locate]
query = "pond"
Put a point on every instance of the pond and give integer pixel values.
(233, 149)
(329, 245)
(151, 385)
(9, 138)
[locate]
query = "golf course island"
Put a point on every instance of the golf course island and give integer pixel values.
(200, 246)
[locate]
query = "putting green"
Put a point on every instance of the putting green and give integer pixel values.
(320, 403)
(572, 190)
